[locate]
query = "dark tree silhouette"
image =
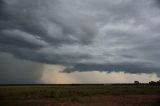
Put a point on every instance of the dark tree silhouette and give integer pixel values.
(152, 83)
(136, 82)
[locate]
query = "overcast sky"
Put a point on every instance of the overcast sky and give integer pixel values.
(82, 36)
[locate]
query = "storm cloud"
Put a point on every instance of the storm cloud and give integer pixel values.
(119, 35)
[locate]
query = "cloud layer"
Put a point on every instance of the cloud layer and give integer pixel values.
(91, 35)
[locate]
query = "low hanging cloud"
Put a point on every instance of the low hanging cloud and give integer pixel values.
(91, 35)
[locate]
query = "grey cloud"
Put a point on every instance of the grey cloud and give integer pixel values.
(43, 57)
(21, 39)
(126, 67)
(157, 2)
(54, 26)
(90, 35)
(51, 59)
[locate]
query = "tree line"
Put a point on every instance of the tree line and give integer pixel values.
(150, 83)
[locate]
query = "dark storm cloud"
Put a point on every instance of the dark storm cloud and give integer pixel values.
(106, 34)
(129, 68)
(43, 24)
(157, 2)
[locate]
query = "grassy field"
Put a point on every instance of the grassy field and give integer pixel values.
(54, 95)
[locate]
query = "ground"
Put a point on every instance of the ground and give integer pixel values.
(80, 95)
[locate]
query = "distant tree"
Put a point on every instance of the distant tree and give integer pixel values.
(158, 82)
(136, 82)
(152, 83)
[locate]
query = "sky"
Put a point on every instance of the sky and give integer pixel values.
(76, 41)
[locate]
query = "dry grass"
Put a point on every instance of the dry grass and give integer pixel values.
(132, 100)
(88, 95)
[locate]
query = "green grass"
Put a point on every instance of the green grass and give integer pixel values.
(14, 94)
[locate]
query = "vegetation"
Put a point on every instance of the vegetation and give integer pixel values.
(18, 94)
(154, 83)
